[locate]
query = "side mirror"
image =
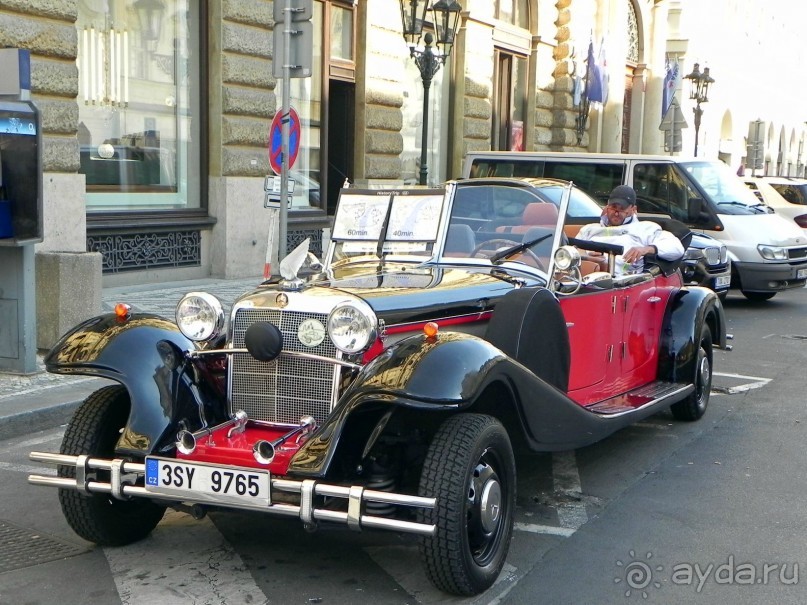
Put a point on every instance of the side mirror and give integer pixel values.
(694, 209)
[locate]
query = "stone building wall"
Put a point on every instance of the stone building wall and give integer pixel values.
(477, 109)
(380, 110)
(47, 29)
(241, 101)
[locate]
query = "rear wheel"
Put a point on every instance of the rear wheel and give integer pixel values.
(694, 406)
(758, 296)
(471, 471)
(94, 430)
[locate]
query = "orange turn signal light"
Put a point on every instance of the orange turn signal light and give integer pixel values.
(430, 329)
(122, 310)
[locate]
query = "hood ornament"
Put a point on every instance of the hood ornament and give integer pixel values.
(290, 266)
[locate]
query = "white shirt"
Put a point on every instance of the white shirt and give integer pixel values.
(633, 233)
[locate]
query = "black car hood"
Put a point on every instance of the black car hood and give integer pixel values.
(401, 293)
(404, 292)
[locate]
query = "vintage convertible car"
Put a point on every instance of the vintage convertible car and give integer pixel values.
(391, 386)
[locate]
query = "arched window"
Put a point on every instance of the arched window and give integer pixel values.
(513, 12)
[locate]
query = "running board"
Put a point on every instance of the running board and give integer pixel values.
(650, 395)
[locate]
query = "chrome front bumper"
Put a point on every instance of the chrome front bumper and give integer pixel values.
(123, 473)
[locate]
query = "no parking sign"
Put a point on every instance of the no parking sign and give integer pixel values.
(276, 140)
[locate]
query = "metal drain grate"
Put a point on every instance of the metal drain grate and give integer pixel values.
(20, 548)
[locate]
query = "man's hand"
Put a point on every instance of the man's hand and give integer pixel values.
(634, 254)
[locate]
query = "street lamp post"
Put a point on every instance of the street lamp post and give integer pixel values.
(446, 15)
(699, 92)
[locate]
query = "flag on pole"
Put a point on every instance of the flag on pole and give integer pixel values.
(602, 64)
(671, 76)
(594, 90)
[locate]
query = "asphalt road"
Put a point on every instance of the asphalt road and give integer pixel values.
(662, 512)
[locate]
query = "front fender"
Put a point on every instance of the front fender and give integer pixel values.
(448, 373)
(691, 309)
(444, 372)
(144, 353)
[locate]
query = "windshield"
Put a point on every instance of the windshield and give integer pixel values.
(489, 219)
(724, 188)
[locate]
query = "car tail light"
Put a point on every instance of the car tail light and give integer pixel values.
(801, 221)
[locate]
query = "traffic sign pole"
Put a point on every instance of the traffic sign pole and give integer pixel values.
(284, 129)
(295, 64)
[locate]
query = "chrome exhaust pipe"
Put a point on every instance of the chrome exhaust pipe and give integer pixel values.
(186, 441)
(264, 451)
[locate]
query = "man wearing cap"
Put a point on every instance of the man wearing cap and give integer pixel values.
(619, 225)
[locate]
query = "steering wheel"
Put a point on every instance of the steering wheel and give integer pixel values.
(491, 246)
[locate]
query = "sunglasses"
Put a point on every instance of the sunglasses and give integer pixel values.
(617, 208)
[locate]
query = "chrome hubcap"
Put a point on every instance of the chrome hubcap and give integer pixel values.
(490, 505)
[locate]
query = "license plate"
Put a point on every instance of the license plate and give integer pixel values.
(207, 482)
(801, 274)
(724, 281)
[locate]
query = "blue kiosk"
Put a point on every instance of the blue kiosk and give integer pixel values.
(20, 212)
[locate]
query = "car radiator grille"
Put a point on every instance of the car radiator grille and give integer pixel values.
(716, 256)
(797, 253)
(287, 388)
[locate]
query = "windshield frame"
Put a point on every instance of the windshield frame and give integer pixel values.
(485, 215)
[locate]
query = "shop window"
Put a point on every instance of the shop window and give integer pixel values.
(139, 103)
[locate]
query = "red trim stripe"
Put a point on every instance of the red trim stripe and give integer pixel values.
(446, 321)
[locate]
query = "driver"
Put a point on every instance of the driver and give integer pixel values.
(619, 225)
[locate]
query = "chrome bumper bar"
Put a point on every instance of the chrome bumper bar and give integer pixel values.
(121, 477)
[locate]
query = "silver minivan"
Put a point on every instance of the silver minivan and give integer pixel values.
(768, 253)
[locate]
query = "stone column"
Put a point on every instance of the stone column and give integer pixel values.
(615, 21)
(653, 139)
(637, 108)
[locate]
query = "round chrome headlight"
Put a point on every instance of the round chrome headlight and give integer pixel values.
(200, 316)
(566, 257)
(352, 326)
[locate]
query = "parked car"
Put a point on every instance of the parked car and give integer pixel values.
(707, 263)
(446, 330)
(785, 196)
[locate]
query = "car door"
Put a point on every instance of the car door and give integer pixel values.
(639, 315)
(592, 338)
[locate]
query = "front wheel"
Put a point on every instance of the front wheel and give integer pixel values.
(471, 471)
(94, 430)
(694, 406)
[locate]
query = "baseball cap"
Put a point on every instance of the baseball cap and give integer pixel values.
(624, 195)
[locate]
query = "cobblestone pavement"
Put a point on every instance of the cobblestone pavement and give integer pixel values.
(163, 299)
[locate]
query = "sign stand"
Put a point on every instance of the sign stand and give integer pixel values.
(295, 58)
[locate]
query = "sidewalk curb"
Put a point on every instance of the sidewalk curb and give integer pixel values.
(31, 421)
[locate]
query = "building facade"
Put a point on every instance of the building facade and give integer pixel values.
(156, 113)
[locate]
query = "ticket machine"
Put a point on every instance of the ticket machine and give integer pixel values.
(20, 212)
